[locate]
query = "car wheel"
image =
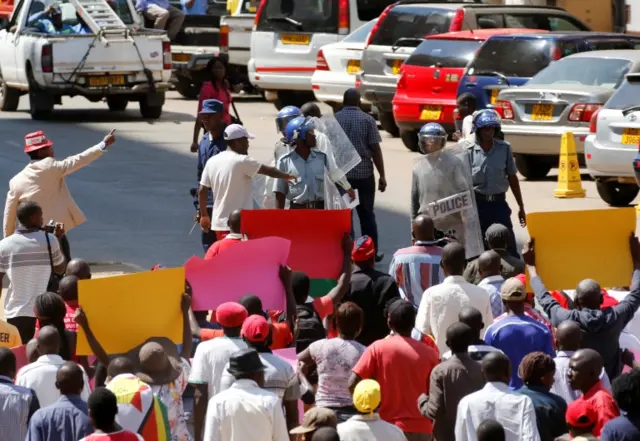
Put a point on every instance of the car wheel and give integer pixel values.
(150, 112)
(531, 166)
(41, 102)
(388, 123)
(187, 89)
(410, 139)
(9, 97)
(117, 103)
(616, 194)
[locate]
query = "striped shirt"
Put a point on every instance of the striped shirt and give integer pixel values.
(17, 405)
(417, 268)
(24, 258)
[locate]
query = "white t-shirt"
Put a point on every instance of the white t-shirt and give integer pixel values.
(467, 123)
(228, 174)
(24, 258)
(210, 361)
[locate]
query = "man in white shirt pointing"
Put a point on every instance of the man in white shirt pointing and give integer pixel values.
(229, 176)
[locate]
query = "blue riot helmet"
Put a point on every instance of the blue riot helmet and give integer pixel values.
(285, 115)
(298, 128)
(486, 118)
(431, 138)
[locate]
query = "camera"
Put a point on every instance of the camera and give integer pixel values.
(50, 227)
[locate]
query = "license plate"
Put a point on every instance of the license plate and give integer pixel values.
(542, 112)
(395, 69)
(631, 136)
(353, 66)
(295, 39)
(494, 95)
(430, 113)
(181, 58)
(110, 80)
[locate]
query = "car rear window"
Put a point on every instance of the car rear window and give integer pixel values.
(360, 35)
(512, 57)
(546, 22)
(627, 95)
(610, 44)
(370, 9)
(411, 23)
(444, 53)
(299, 16)
(584, 71)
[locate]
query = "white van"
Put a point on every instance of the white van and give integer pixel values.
(287, 35)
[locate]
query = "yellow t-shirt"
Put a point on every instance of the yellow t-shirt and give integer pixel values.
(9, 335)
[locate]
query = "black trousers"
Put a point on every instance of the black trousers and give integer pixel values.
(26, 327)
(209, 237)
(367, 194)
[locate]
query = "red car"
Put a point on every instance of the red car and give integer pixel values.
(428, 83)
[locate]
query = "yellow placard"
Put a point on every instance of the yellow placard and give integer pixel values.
(572, 246)
(124, 311)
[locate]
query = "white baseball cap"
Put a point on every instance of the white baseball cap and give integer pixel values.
(236, 131)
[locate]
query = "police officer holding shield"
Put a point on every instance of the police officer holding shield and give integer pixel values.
(494, 172)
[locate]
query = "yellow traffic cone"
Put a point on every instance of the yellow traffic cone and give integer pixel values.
(569, 182)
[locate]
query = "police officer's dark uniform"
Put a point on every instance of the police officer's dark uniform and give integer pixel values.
(491, 170)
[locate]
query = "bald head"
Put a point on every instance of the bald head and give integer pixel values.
(568, 336)
(585, 368)
(453, 259)
(78, 268)
(471, 317)
(422, 228)
(118, 366)
(234, 221)
(68, 288)
(70, 379)
(496, 367)
(311, 109)
(351, 97)
(588, 295)
(48, 340)
(489, 264)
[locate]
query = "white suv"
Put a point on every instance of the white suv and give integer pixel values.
(613, 142)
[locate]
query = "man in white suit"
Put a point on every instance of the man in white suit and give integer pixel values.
(42, 181)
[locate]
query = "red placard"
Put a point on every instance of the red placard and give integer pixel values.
(315, 235)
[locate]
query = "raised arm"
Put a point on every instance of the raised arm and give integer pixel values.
(629, 305)
(94, 344)
(273, 172)
(76, 162)
(187, 340)
(10, 212)
(285, 277)
(340, 290)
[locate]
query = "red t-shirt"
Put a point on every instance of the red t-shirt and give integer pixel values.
(402, 366)
(208, 92)
(604, 405)
(123, 435)
(219, 246)
(69, 323)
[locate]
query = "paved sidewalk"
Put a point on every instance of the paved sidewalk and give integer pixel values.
(98, 270)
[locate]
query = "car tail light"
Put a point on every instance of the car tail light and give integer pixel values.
(504, 109)
(321, 61)
(343, 17)
(378, 23)
(358, 83)
(259, 13)
(593, 124)
(224, 37)
(457, 22)
(46, 58)
(583, 112)
(166, 55)
(556, 53)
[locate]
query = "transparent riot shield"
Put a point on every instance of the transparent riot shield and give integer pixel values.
(442, 188)
(342, 156)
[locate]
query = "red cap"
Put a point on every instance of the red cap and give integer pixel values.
(363, 249)
(255, 328)
(581, 413)
(231, 314)
(36, 141)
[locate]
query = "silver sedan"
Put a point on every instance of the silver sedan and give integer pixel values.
(561, 98)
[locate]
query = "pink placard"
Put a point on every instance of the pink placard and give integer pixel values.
(248, 267)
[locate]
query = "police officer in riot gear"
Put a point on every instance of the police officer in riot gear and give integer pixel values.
(283, 117)
(494, 172)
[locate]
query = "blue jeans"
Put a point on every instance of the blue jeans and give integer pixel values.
(497, 212)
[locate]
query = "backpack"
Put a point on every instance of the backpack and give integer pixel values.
(310, 327)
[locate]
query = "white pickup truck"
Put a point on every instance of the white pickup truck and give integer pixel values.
(235, 38)
(48, 66)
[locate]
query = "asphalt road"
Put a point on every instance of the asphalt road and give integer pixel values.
(136, 197)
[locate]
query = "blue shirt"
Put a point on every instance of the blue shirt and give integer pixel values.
(142, 5)
(491, 169)
(207, 149)
(623, 428)
(42, 23)
(492, 286)
(362, 131)
(517, 336)
(66, 419)
(17, 406)
(310, 185)
(550, 411)
(199, 7)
